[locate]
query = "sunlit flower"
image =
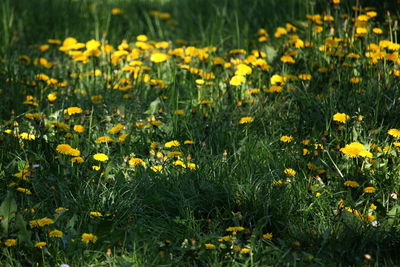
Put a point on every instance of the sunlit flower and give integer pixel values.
(369, 189)
(56, 233)
(79, 128)
(289, 172)
(394, 132)
(95, 214)
(40, 244)
(88, 238)
(341, 117)
(351, 183)
(173, 143)
(246, 120)
(235, 229)
(209, 246)
(73, 110)
(267, 236)
(286, 139)
(356, 149)
(100, 157)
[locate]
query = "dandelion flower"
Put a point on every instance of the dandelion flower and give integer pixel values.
(10, 242)
(351, 184)
(173, 143)
(369, 189)
(100, 157)
(158, 57)
(235, 229)
(64, 149)
(209, 246)
(237, 80)
(290, 172)
(88, 238)
(286, 139)
(245, 120)
(56, 233)
(341, 117)
(394, 132)
(95, 214)
(356, 149)
(40, 244)
(79, 128)
(267, 236)
(73, 110)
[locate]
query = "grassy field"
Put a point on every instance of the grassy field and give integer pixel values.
(199, 133)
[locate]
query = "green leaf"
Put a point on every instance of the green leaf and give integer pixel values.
(7, 209)
(24, 235)
(153, 108)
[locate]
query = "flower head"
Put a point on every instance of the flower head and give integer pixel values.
(88, 238)
(100, 157)
(341, 117)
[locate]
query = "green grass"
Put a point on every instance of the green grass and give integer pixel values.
(232, 174)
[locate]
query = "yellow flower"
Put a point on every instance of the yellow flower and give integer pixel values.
(246, 120)
(96, 214)
(243, 70)
(104, 139)
(156, 168)
(351, 184)
(95, 168)
(267, 236)
(235, 229)
(27, 136)
(100, 157)
(10, 242)
(277, 80)
(394, 133)
(79, 128)
(56, 233)
(72, 110)
(40, 244)
(88, 238)
(52, 97)
(336, 2)
(158, 57)
(369, 189)
(24, 190)
(305, 77)
(173, 143)
(136, 161)
(289, 172)
(245, 251)
(141, 38)
(77, 160)
(355, 80)
(356, 149)
(288, 59)
(237, 80)
(116, 11)
(286, 139)
(74, 152)
(199, 81)
(209, 246)
(116, 129)
(341, 117)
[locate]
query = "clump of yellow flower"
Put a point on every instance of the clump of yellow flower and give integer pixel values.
(355, 150)
(289, 172)
(286, 139)
(394, 132)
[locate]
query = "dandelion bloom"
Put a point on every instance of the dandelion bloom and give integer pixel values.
(27, 136)
(351, 184)
(104, 139)
(40, 244)
(267, 236)
(209, 246)
(246, 120)
(290, 172)
(237, 80)
(158, 57)
(64, 149)
(72, 110)
(156, 168)
(235, 229)
(173, 143)
(243, 69)
(88, 238)
(77, 160)
(286, 139)
(356, 149)
(79, 128)
(394, 132)
(24, 190)
(10, 242)
(116, 129)
(56, 233)
(369, 189)
(100, 157)
(341, 117)
(96, 214)
(305, 77)
(245, 251)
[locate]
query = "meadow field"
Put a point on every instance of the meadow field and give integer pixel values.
(199, 133)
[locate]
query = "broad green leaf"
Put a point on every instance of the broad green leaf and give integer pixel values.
(7, 210)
